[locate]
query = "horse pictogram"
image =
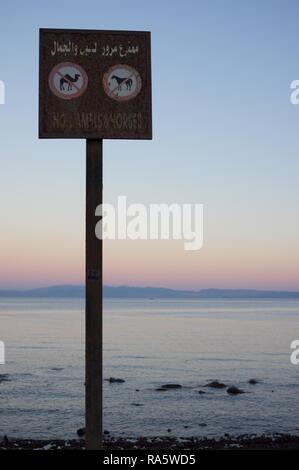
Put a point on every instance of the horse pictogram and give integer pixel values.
(122, 82)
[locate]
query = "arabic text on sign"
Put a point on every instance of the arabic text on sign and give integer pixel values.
(72, 49)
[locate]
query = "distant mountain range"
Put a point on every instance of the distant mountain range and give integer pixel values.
(125, 292)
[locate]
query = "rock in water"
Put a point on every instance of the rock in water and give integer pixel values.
(4, 378)
(113, 380)
(252, 381)
(169, 386)
(234, 390)
(215, 384)
(81, 432)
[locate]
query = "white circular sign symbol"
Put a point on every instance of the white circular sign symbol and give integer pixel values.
(68, 81)
(122, 82)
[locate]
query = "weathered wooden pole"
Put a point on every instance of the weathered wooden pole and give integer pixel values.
(93, 298)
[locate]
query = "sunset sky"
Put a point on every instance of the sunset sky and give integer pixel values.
(225, 135)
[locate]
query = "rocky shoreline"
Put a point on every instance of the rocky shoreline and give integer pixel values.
(244, 442)
(227, 442)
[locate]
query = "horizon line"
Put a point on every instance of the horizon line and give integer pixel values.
(51, 286)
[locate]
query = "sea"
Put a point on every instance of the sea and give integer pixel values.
(149, 343)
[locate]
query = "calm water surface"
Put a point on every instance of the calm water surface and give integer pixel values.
(149, 343)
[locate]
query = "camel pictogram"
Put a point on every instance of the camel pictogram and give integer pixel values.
(69, 80)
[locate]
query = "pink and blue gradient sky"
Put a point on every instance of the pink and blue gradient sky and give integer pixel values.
(225, 135)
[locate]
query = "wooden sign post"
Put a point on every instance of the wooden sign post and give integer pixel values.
(94, 85)
(93, 303)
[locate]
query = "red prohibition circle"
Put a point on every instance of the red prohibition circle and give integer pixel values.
(132, 72)
(55, 71)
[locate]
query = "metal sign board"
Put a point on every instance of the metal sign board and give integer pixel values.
(95, 84)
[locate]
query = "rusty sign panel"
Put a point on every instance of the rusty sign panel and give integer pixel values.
(95, 84)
